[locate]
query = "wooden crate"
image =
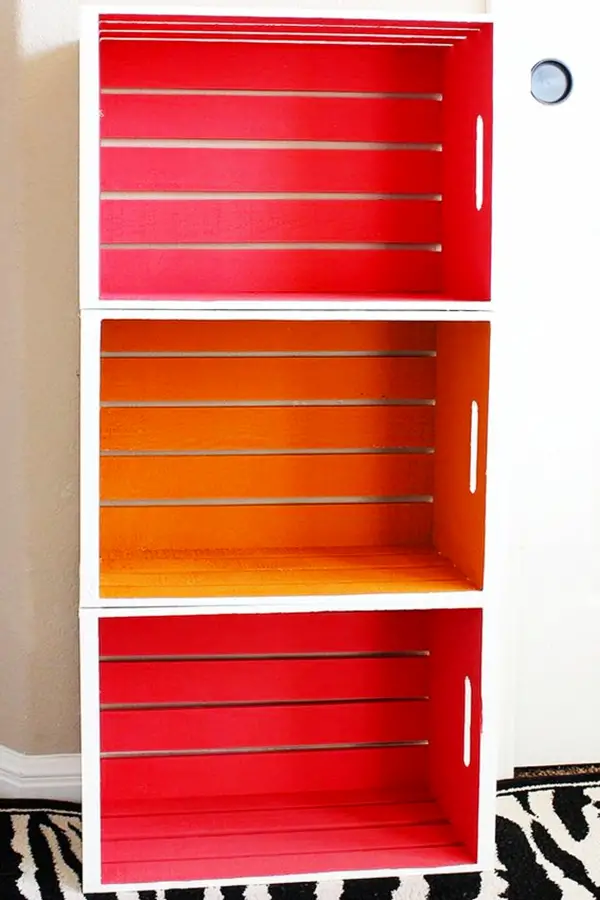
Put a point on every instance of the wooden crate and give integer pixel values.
(307, 160)
(249, 459)
(286, 745)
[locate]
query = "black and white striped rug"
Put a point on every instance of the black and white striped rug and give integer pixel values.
(548, 848)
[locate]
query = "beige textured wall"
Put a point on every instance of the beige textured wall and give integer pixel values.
(38, 376)
(38, 367)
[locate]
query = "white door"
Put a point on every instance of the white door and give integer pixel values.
(547, 254)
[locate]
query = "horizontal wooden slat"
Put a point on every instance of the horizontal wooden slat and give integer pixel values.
(276, 428)
(115, 815)
(269, 867)
(267, 379)
(271, 118)
(256, 336)
(268, 633)
(172, 272)
(228, 66)
(258, 845)
(273, 726)
(324, 31)
(270, 476)
(274, 24)
(296, 812)
(251, 527)
(263, 680)
(209, 169)
(219, 776)
(268, 575)
(264, 221)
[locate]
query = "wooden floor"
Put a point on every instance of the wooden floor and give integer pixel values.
(274, 835)
(279, 573)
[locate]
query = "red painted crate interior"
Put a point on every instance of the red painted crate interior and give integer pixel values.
(308, 159)
(242, 459)
(271, 745)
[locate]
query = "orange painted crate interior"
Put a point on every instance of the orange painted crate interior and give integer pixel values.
(267, 160)
(292, 458)
(288, 744)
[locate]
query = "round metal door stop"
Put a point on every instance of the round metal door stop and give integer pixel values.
(551, 82)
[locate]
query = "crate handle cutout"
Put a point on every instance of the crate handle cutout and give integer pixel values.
(474, 446)
(479, 137)
(468, 722)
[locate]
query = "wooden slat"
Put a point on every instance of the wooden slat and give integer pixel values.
(272, 476)
(331, 31)
(272, 804)
(305, 843)
(226, 66)
(251, 527)
(310, 812)
(182, 577)
(264, 221)
(273, 726)
(270, 118)
(191, 870)
(172, 272)
(208, 169)
(263, 680)
(274, 24)
(268, 633)
(219, 776)
(276, 428)
(267, 379)
(234, 336)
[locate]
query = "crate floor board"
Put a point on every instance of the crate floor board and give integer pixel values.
(279, 573)
(275, 835)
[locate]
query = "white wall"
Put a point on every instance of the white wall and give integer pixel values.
(548, 395)
(38, 375)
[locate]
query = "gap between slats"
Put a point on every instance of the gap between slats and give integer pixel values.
(259, 404)
(264, 354)
(236, 144)
(263, 195)
(284, 247)
(304, 451)
(160, 502)
(198, 92)
(204, 657)
(261, 41)
(252, 704)
(247, 751)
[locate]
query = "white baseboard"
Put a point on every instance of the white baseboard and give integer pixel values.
(47, 777)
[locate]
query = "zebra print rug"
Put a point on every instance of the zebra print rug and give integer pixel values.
(548, 848)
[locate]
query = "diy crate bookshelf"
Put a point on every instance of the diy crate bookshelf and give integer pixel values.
(286, 244)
